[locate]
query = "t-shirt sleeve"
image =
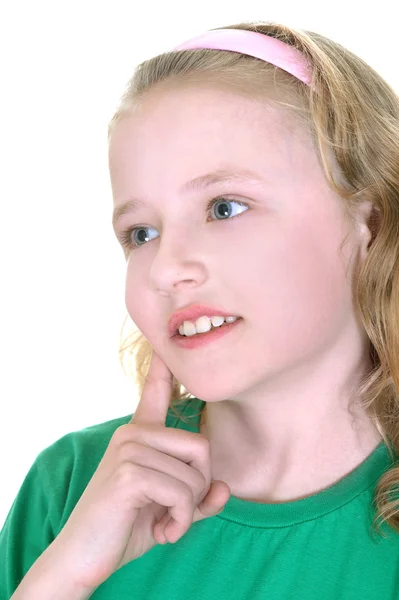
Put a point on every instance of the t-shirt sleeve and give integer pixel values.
(27, 532)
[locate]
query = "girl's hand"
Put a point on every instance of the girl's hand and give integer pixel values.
(152, 483)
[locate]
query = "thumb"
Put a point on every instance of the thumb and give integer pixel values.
(214, 502)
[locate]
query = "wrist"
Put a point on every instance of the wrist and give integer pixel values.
(50, 579)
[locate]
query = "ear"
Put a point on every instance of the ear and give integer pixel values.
(367, 224)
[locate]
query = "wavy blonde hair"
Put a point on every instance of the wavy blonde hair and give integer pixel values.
(353, 116)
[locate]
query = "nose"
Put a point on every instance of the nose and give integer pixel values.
(179, 263)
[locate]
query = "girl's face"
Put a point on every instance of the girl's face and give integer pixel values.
(275, 261)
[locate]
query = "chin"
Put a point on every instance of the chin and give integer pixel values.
(208, 391)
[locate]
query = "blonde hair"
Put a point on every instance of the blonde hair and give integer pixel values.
(353, 116)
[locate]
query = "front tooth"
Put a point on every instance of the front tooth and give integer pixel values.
(202, 325)
(189, 328)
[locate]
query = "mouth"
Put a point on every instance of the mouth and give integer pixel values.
(199, 340)
(192, 313)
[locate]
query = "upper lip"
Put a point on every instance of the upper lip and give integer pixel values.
(192, 313)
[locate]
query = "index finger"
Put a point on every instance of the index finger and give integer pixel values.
(157, 394)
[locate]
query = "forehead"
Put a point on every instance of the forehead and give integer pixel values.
(178, 133)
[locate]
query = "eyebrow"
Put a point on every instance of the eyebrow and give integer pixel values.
(198, 183)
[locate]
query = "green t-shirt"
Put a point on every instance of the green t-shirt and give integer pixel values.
(318, 547)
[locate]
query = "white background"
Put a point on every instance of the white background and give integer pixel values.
(64, 65)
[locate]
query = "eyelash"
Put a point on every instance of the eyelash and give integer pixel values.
(125, 236)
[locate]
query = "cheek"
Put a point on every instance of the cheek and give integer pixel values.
(295, 293)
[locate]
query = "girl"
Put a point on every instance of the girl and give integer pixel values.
(272, 324)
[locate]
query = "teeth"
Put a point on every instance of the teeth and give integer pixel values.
(203, 324)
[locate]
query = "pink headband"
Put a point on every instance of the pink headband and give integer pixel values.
(255, 44)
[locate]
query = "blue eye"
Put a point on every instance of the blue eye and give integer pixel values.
(126, 236)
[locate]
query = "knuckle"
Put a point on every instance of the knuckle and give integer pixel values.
(120, 434)
(198, 484)
(186, 495)
(125, 474)
(128, 453)
(127, 433)
(157, 382)
(204, 445)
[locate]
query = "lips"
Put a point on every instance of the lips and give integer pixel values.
(192, 313)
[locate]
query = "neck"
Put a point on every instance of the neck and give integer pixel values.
(287, 448)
